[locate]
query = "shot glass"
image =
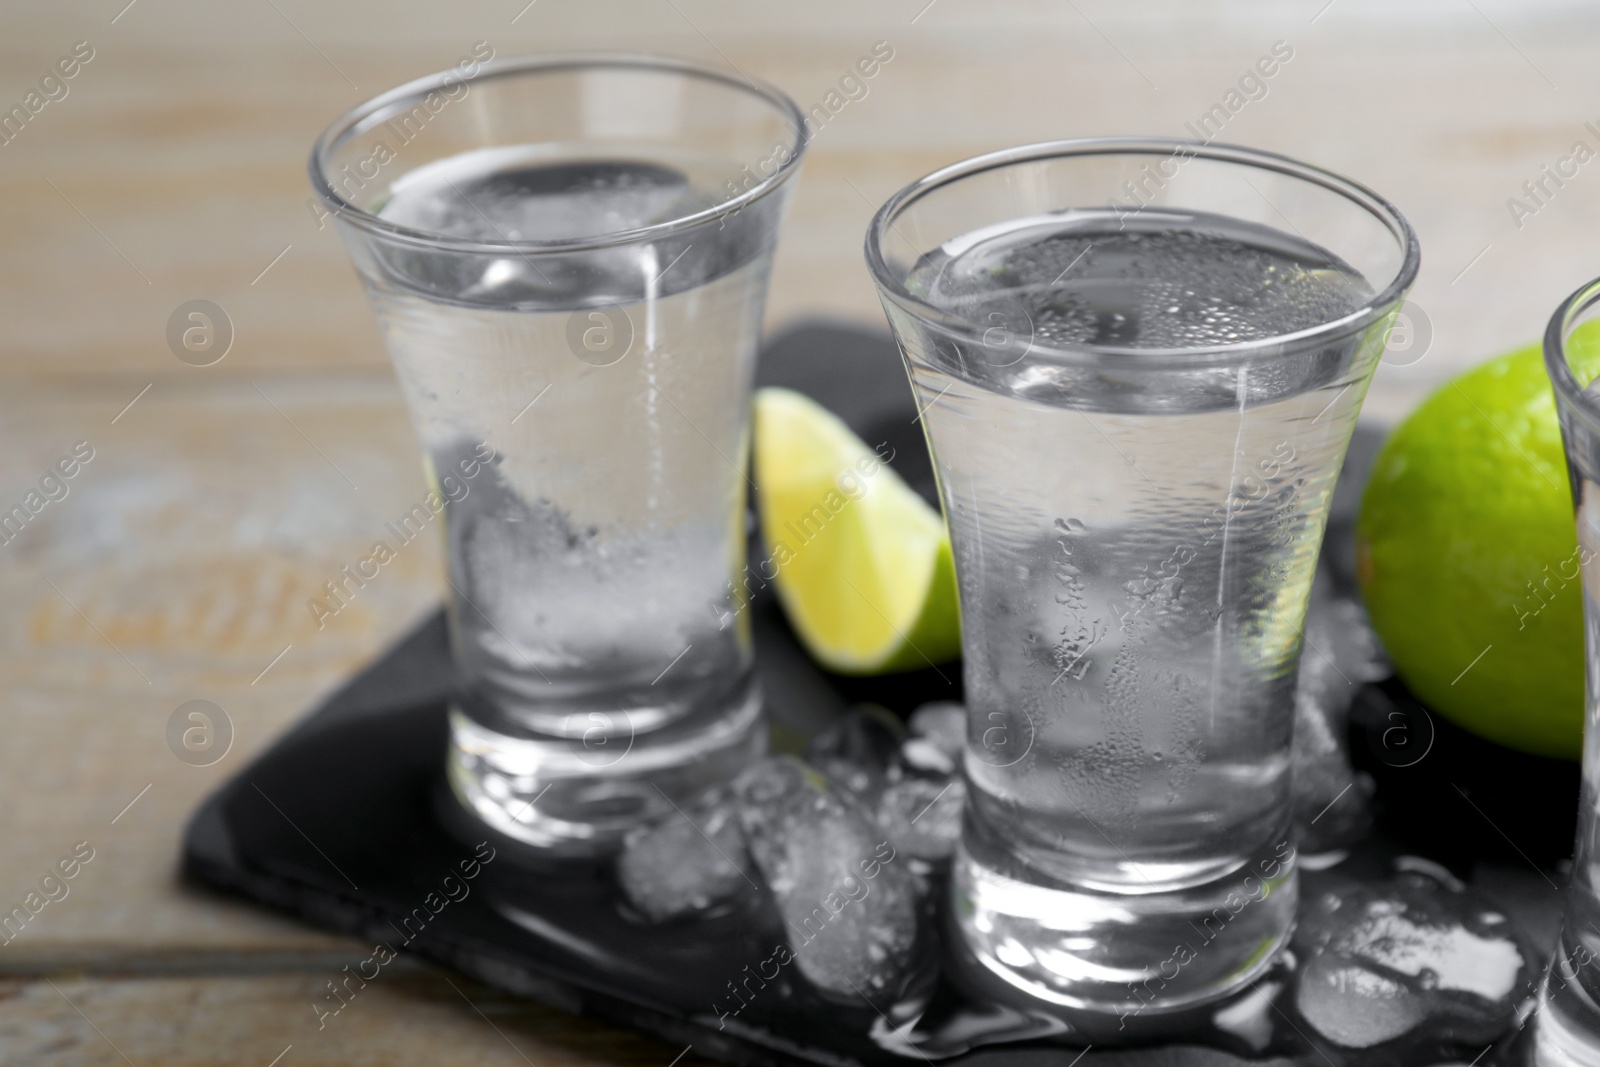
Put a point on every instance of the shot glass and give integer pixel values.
(568, 257)
(1138, 363)
(1567, 1028)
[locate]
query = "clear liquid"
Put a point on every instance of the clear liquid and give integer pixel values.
(591, 559)
(1135, 549)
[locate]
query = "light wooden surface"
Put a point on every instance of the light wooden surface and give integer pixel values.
(179, 565)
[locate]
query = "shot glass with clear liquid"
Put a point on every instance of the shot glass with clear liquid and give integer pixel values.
(568, 257)
(1567, 1027)
(1139, 363)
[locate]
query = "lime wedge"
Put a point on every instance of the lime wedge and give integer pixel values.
(862, 564)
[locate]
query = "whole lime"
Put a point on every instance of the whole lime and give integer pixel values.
(1468, 557)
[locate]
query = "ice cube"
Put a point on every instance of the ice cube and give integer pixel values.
(858, 752)
(922, 816)
(907, 784)
(1413, 967)
(689, 862)
(845, 893)
(922, 755)
(942, 723)
(1355, 1007)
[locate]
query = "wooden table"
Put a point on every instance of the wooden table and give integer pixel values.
(219, 499)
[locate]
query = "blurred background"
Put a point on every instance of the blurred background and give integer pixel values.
(170, 167)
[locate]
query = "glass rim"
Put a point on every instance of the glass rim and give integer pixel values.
(893, 288)
(369, 113)
(1570, 394)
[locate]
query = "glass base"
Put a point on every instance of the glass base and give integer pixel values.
(1119, 957)
(1566, 1031)
(577, 795)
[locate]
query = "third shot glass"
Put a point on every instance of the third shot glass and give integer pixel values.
(1567, 1028)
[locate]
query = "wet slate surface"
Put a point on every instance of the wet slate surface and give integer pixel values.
(396, 861)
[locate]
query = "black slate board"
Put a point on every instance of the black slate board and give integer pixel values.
(346, 822)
